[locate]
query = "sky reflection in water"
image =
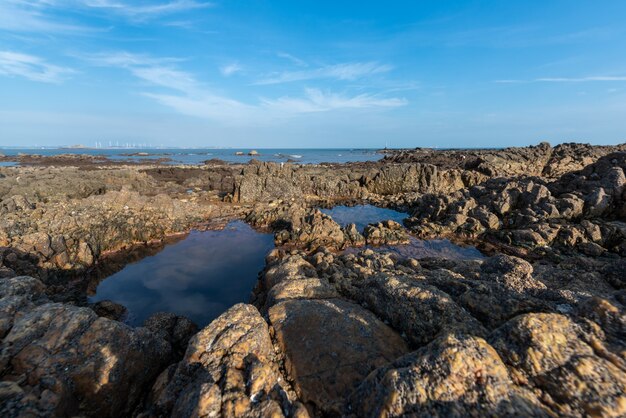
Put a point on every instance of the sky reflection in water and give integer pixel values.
(206, 273)
(199, 277)
(361, 215)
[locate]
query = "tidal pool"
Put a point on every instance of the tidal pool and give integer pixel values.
(441, 248)
(361, 215)
(199, 277)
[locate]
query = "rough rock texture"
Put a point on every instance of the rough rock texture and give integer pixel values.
(58, 222)
(385, 233)
(492, 337)
(479, 330)
(229, 370)
(327, 362)
(60, 360)
(72, 234)
(262, 181)
(583, 210)
(313, 230)
(575, 372)
(454, 376)
(536, 328)
(540, 160)
(175, 329)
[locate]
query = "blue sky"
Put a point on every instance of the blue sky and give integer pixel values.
(312, 73)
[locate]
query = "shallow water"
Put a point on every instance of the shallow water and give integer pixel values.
(362, 215)
(441, 248)
(199, 277)
(198, 156)
(204, 274)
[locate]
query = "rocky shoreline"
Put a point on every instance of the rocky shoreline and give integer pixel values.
(537, 328)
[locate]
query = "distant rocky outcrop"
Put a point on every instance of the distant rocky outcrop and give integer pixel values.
(582, 209)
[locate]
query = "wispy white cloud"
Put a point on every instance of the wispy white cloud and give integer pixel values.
(580, 79)
(144, 10)
(206, 105)
(31, 67)
(346, 71)
(45, 15)
(166, 77)
(193, 98)
(565, 79)
(295, 60)
(316, 100)
(125, 59)
(230, 69)
(157, 71)
(30, 16)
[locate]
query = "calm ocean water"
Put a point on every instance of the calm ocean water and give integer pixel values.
(197, 156)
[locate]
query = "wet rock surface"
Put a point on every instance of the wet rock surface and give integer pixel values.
(536, 328)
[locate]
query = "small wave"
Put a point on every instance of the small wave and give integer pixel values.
(295, 156)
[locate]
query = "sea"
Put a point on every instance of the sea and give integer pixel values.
(199, 155)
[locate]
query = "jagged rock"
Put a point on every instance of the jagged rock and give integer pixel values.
(420, 311)
(303, 288)
(352, 236)
(109, 309)
(547, 352)
(17, 297)
(229, 370)
(385, 233)
(312, 231)
(453, 376)
(175, 329)
(290, 268)
(73, 362)
(532, 213)
(512, 272)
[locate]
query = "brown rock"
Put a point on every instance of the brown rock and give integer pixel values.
(175, 329)
(301, 289)
(385, 233)
(74, 362)
(421, 311)
(229, 370)
(454, 376)
(109, 309)
(330, 346)
(548, 352)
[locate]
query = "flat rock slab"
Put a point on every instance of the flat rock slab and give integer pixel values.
(330, 346)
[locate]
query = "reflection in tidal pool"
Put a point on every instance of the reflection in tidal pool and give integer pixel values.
(199, 277)
(441, 248)
(361, 215)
